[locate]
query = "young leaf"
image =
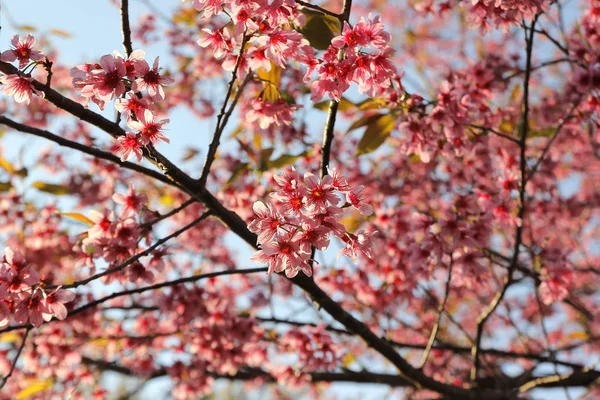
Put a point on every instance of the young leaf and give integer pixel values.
(35, 387)
(345, 105)
(5, 186)
(271, 80)
(319, 28)
(79, 217)
(58, 190)
(377, 131)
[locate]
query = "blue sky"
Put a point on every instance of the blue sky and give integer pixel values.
(94, 28)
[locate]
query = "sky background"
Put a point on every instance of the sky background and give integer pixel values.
(94, 30)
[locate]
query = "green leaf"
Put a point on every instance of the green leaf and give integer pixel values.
(545, 132)
(319, 28)
(58, 190)
(265, 155)
(248, 150)
(286, 159)
(237, 172)
(377, 131)
(345, 105)
(364, 120)
(371, 104)
(5, 186)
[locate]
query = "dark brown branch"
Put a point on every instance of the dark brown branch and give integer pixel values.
(487, 313)
(575, 379)
(125, 28)
(16, 359)
(437, 346)
(333, 105)
(92, 151)
(143, 289)
(139, 255)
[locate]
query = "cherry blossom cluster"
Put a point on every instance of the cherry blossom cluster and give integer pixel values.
(366, 62)
(113, 77)
(366, 49)
(487, 14)
(22, 296)
(303, 214)
(117, 238)
(503, 14)
(19, 86)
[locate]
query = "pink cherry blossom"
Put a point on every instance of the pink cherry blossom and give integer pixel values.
(22, 50)
(19, 87)
(151, 79)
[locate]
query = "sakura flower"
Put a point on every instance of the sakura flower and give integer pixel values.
(133, 106)
(266, 223)
(126, 145)
(151, 79)
(319, 194)
(149, 130)
(103, 224)
(219, 41)
(16, 274)
(357, 199)
(289, 256)
(357, 244)
(19, 87)
(108, 79)
(338, 180)
(271, 260)
(314, 234)
(22, 51)
(32, 308)
(350, 37)
(5, 314)
(55, 303)
(132, 201)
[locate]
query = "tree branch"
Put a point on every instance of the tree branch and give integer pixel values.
(16, 359)
(125, 28)
(137, 256)
(436, 326)
(143, 289)
(214, 145)
(328, 132)
(485, 315)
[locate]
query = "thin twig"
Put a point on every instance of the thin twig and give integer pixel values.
(487, 313)
(328, 132)
(143, 289)
(553, 138)
(436, 327)
(16, 359)
(137, 256)
(214, 145)
(174, 211)
(92, 151)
